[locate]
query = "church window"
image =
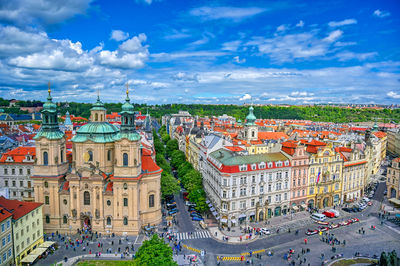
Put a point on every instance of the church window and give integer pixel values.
(151, 201)
(86, 198)
(45, 158)
(65, 219)
(65, 202)
(90, 156)
(125, 159)
(62, 156)
(46, 200)
(96, 117)
(125, 186)
(46, 184)
(108, 202)
(125, 202)
(101, 117)
(252, 134)
(125, 220)
(109, 155)
(108, 220)
(47, 218)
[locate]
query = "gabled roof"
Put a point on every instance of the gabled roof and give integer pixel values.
(18, 208)
(19, 154)
(272, 135)
(4, 214)
(234, 148)
(380, 134)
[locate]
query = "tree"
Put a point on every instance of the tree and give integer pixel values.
(171, 146)
(169, 185)
(154, 252)
(177, 158)
(165, 137)
(383, 261)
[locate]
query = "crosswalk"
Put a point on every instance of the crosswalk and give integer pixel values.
(193, 235)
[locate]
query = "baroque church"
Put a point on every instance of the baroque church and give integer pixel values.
(113, 182)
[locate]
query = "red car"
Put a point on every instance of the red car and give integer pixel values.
(369, 203)
(329, 214)
(355, 220)
(311, 232)
(323, 229)
(333, 226)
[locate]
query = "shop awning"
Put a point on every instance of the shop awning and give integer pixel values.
(233, 221)
(295, 208)
(207, 201)
(30, 258)
(304, 206)
(212, 209)
(215, 214)
(224, 220)
(47, 244)
(38, 251)
(394, 201)
(209, 205)
(217, 217)
(242, 216)
(251, 214)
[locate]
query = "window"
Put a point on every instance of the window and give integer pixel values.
(6, 183)
(109, 155)
(65, 219)
(47, 218)
(253, 202)
(225, 182)
(108, 202)
(6, 171)
(253, 190)
(29, 183)
(253, 179)
(90, 156)
(8, 224)
(125, 159)
(125, 221)
(21, 171)
(224, 194)
(65, 202)
(269, 187)
(233, 205)
(233, 193)
(242, 192)
(62, 156)
(46, 200)
(125, 202)
(151, 201)
(96, 117)
(108, 220)
(311, 190)
(86, 198)
(13, 183)
(46, 184)
(45, 158)
(285, 196)
(3, 227)
(243, 204)
(125, 186)
(261, 189)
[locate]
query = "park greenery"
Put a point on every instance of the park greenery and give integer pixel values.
(389, 259)
(154, 252)
(311, 112)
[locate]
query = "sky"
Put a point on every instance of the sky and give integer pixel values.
(193, 51)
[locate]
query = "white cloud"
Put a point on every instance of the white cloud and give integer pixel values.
(381, 14)
(163, 57)
(24, 12)
(349, 21)
(300, 24)
(176, 35)
(393, 95)
(347, 55)
(238, 60)
(231, 46)
(281, 28)
(119, 35)
(301, 93)
(333, 36)
(245, 97)
(226, 12)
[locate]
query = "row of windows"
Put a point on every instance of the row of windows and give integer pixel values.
(243, 203)
(14, 170)
(46, 157)
(262, 165)
(125, 157)
(6, 255)
(14, 183)
(21, 232)
(6, 240)
(28, 240)
(5, 225)
(325, 189)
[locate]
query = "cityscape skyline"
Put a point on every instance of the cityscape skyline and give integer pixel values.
(222, 52)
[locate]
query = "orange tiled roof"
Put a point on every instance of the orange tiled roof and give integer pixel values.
(234, 148)
(18, 154)
(380, 134)
(110, 186)
(4, 214)
(272, 135)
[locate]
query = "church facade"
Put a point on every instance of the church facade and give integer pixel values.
(112, 184)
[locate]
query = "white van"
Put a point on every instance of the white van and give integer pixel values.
(337, 214)
(318, 217)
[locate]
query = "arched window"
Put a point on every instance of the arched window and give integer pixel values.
(46, 200)
(62, 156)
(109, 155)
(86, 198)
(125, 159)
(45, 158)
(101, 117)
(47, 218)
(125, 220)
(151, 201)
(253, 134)
(65, 219)
(90, 156)
(96, 117)
(108, 220)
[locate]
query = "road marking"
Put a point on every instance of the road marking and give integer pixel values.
(193, 235)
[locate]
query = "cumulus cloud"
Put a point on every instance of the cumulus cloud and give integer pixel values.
(226, 12)
(393, 95)
(347, 55)
(24, 12)
(238, 60)
(381, 14)
(119, 35)
(300, 24)
(301, 93)
(333, 36)
(281, 28)
(245, 97)
(345, 22)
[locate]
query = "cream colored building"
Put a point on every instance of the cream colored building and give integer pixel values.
(113, 185)
(393, 141)
(393, 179)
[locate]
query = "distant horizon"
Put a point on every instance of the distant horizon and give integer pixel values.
(219, 52)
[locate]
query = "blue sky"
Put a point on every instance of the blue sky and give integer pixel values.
(188, 51)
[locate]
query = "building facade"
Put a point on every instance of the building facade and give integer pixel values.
(113, 185)
(6, 252)
(247, 188)
(16, 168)
(393, 179)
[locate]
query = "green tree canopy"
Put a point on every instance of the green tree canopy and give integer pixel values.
(154, 252)
(169, 185)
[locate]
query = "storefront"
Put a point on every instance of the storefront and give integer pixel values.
(242, 218)
(277, 211)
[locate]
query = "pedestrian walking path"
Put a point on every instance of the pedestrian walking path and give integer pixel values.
(193, 235)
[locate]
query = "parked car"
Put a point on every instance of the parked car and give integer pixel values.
(265, 231)
(333, 226)
(344, 223)
(171, 206)
(196, 218)
(329, 214)
(173, 211)
(323, 228)
(318, 217)
(347, 209)
(195, 214)
(337, 213)
(188, 203)
(369, 203)
(354, 220)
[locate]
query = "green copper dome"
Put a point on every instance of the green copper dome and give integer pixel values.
(251, 118)
(49, 106)
(127, 107)
(98, 105)
(100, 132)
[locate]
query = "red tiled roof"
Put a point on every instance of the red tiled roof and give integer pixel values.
(18, 154)
(380, 134)
(316, 143)
(272, 135)
(65, 185)
(148, 164)
(357, 163)
(109, 186)
(396, 160)
(4, 214)
(234, 148)
(36, 127)
(18, 208)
